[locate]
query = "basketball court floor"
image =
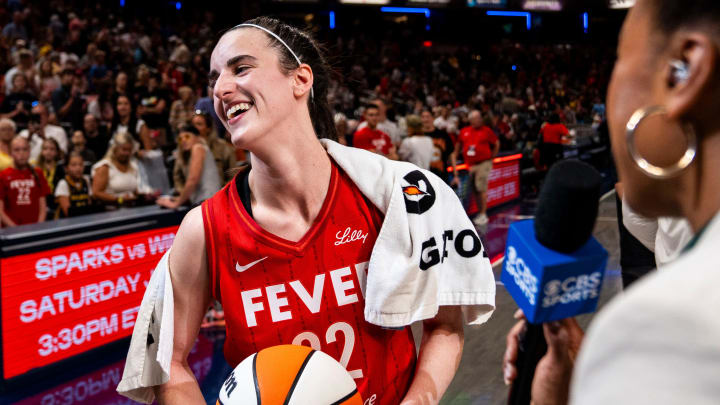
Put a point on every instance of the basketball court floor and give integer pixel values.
(479, 379)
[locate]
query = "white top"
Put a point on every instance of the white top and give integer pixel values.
(124, 128)
(665, 236)
(51, 131)
(659, 342)
(449, 125)
(121, 183)
(418, 150)
(63, 188)
(209, 182)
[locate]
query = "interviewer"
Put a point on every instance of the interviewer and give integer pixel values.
(659, 342)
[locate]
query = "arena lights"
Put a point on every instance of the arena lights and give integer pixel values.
(332, 20)
(586, 22)
(122, 3)
(406, 10)
(528, 16)
(178, 5)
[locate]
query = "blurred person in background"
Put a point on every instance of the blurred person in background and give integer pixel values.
(446, 121)
(18, 102)
(153, 109)
(51, 163)
(658, 341)
(73, 192)
(46, 81)
(122, 87)
(384, 124)
(222, 151)
(417, 148)
(341, 126)
(16, 28)
(369, 137)
(7, 133)
(116, 178)
(68, 101)
(24, 67)
(39, 129)
(78, 144)
(442, 144)
(22, 188)
(552, 134)
(125, 121)
(198, 167)
(182, 109)
(478, 145)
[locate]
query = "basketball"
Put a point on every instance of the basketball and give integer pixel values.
(292, 375)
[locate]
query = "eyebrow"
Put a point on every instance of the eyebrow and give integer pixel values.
(230, 63)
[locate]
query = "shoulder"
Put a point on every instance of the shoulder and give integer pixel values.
(190, 238)
(667, 321)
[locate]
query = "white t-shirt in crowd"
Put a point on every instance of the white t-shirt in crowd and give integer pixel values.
(389, 128)
(418, 150)
(51, 131)
(121, 183)
(63, 188)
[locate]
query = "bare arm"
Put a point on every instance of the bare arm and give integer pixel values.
(496, 149)
(440, 353)
(197, 156)
(4, 216)
(100, 182)
(191, 292)
(453, 161)
(43, 210)
(64, 203)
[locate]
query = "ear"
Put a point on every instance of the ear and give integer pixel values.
(699, 52)
(303, 80)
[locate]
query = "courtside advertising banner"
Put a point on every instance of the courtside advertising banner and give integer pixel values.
(504, 180)
(62, 302)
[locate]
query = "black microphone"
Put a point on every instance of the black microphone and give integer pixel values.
(564, 221)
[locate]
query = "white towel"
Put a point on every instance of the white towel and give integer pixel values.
(426, 255)
(399, 292)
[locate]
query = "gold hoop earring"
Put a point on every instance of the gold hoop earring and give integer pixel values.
(646, 167)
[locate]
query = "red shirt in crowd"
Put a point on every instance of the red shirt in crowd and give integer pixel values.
(477, 144)
(373, 140)
(553, 133)
(310, 292)
(20, 192)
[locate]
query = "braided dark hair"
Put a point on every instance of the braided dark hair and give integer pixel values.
(310, 52)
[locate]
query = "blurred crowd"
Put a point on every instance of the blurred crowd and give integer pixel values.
(113, 111)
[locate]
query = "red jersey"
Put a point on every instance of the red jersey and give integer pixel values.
(553, 133)
(477, 144)
(20, 192)
(373, 140)
(309, 292)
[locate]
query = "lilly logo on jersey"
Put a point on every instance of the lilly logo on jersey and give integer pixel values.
(549, 285)
(350, 235)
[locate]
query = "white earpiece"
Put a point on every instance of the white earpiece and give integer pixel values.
(680, 70)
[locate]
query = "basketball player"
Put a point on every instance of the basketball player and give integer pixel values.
(281, 244)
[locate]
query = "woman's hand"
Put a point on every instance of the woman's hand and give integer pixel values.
(168, 202)
(551, 384)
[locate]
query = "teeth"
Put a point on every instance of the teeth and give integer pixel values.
(238, 109)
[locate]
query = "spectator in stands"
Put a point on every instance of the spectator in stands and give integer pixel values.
(205, 104)
(182, 110)
(22, 188)
(126, 121)
(73, 192)
(478, 144)
(68, 101)
(16, 29)
(97, 138)
(384, 124)
(551, 140)
(153, 109)
(7, 133)
(222, 151)
(198, 168)
(369, 137)
(116, 178)
(51, 163)
(121, 87)
(18, 103)
(78, 145)
(442, 144)
(417, 148)
(39, 129)
(46, 81)
(102, 107)
(445, 121)
(24, 67)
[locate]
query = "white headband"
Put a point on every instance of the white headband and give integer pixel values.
(312, 93)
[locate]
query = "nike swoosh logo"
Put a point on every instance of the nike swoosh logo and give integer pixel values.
(240, 268)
